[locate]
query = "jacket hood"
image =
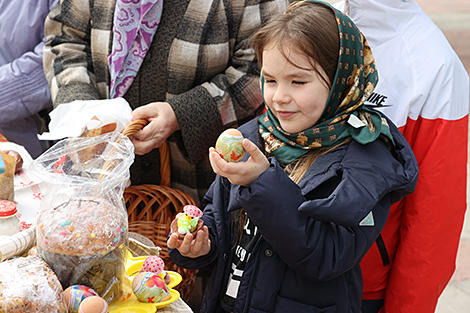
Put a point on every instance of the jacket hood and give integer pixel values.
(390, 17)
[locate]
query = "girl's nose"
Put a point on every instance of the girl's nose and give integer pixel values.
(281, 95)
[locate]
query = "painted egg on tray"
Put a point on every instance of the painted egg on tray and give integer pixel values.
(150, 288)
(155, 264)
(74, 295)
(93, 304)
(229, 145)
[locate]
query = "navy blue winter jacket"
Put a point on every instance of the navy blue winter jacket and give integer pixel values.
(307, 259)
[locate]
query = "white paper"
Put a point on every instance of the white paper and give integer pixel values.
(18, 244)
(70, 119)
(355, 122)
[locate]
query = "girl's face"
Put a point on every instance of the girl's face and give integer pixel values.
(296, 95)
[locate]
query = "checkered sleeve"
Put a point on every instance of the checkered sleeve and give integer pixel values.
(227, 92)
(70, 70)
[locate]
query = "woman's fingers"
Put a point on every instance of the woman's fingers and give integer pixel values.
(162, 123)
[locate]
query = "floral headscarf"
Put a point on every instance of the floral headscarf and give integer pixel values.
(345, 115)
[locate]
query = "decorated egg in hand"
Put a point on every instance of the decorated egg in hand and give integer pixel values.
(188, 221)
(155, 264)
(74, 295)
(93, 304)
(150, 288)
(229, 145)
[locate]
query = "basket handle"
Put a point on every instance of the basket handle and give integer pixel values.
(165, 170)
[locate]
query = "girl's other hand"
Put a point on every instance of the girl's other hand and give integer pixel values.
(190, 247)
(240, 173)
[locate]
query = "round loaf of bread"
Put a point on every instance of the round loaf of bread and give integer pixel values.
(85, 242)
(29, 285)
(87, 226)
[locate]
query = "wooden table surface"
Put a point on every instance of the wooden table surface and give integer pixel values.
(2, 138)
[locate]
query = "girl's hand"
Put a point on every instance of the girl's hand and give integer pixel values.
(189, 247)
(162, 123)
(240, 173)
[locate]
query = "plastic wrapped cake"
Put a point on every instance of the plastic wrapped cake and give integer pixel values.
(29, 285)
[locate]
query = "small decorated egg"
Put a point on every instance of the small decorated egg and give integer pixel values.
(93, 304)
(188, 221)
(155, 264)
(74, 295)
(229, 145)
(150, 288)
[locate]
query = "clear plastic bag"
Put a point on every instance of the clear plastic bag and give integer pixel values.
(29, 285)
(82, 228)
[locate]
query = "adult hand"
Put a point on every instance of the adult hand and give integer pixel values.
(240, 173)
(162, 123)
(190, 247)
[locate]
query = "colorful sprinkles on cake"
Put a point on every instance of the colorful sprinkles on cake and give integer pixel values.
(75, 227)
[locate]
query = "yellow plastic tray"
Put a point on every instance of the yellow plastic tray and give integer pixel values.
(132, 305)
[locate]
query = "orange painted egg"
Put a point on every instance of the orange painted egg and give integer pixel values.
(229, 145)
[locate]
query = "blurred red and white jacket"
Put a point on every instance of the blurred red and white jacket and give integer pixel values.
(424, 88)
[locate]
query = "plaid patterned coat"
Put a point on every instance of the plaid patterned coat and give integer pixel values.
(198, 62)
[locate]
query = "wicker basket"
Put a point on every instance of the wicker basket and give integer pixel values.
(151, 208)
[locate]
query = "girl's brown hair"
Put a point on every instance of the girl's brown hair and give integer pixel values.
(307, 28)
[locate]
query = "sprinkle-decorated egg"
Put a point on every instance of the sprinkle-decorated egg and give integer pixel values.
(150, 288)
(153, 264)
(229, 145)
(187, 222)
(192, 211)
(74, 295)
(93, 304)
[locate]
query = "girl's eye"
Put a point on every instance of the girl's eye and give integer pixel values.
(269, 81)
(296, 82)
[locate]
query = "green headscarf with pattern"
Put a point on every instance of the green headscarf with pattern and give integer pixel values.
(345, 115)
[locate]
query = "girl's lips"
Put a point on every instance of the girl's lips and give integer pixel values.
(285, 114)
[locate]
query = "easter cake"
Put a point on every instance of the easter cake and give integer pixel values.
(84, 241)
(29, 285)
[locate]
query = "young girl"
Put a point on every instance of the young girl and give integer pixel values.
(286, 228)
